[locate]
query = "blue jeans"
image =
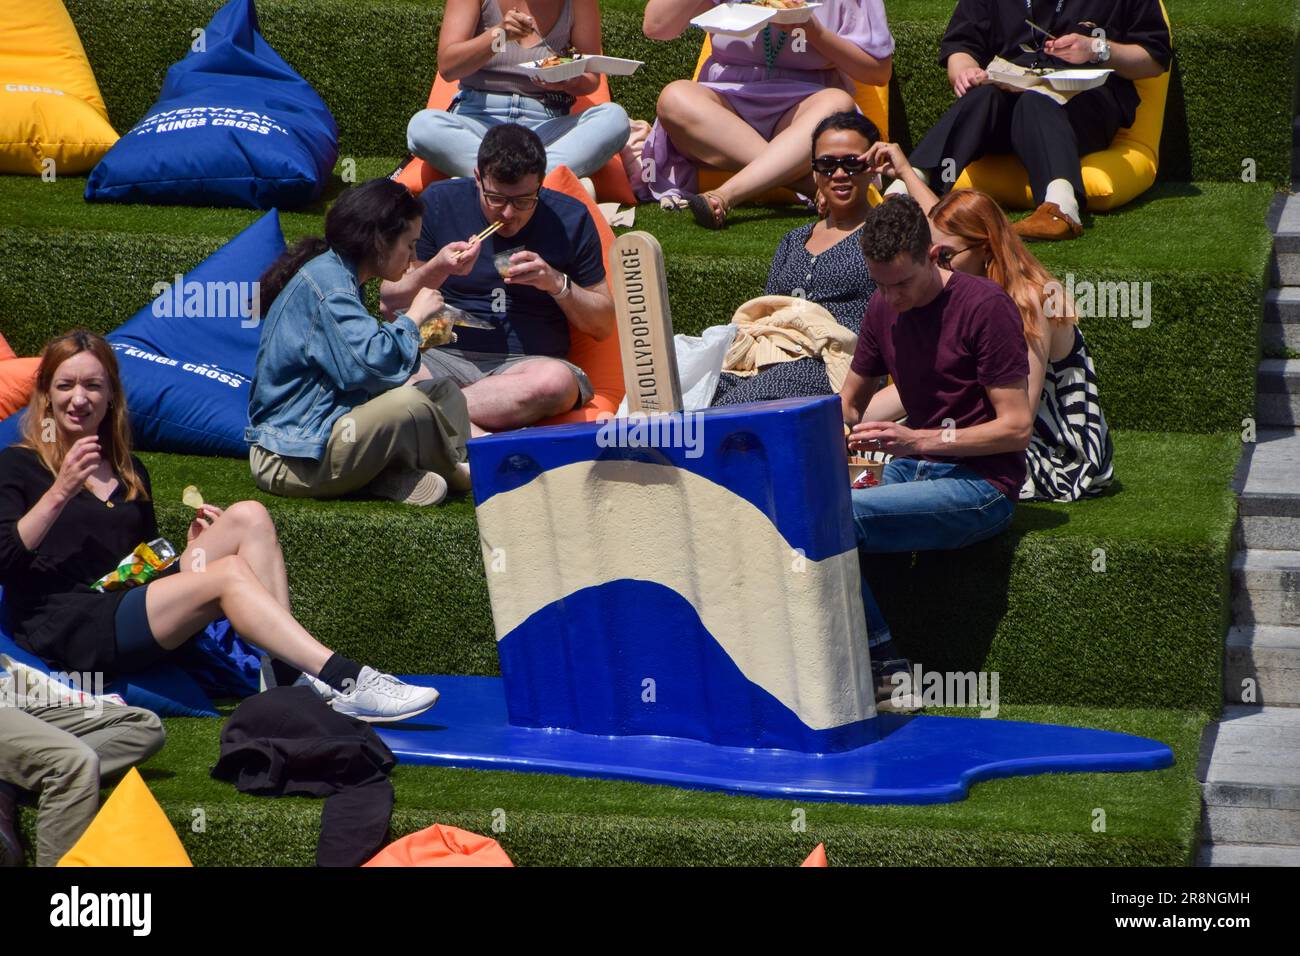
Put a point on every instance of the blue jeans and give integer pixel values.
(449, 140)
(923, 506)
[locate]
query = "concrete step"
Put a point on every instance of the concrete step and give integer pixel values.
(1267, 483)
(1277, 388)
(1284, 222)
(1249, 770)
(1281, 328)
(1236, 854)
(1268, 656)
(1266, 587)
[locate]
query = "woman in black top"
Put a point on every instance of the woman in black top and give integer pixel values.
(1127, 36)
(74, 500)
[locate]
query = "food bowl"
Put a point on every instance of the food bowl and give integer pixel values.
(861, 468)
(1076, 81)
(795, 14)
(560, 73)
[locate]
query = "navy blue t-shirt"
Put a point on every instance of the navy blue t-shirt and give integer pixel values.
(531, 321)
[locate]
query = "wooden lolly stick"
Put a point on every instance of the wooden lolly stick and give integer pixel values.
(645, 325)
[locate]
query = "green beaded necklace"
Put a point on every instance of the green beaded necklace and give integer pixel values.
(771, 51)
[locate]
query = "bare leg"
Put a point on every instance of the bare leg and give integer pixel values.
(521, 395)
(704, 127)
(787, 158)
(244, 529)
(181, 604)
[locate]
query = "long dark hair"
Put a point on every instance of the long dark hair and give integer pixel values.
(361, 226)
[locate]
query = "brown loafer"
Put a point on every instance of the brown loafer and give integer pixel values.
(1047, 223)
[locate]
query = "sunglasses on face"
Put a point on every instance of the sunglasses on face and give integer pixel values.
(826, 165)
(946, 255)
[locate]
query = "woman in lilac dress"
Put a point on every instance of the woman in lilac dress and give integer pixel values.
(758, 100)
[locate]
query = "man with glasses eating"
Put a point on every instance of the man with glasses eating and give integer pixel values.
(536, 272)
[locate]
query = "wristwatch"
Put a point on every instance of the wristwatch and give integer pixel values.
(1101, 47)
(565, 289)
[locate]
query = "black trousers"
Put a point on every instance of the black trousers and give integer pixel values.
(1048, 138)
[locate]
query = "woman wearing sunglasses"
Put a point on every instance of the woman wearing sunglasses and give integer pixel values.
(757, 100)
(822, 261)
(1070, 455)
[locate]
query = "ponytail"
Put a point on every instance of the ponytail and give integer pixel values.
(275, 278)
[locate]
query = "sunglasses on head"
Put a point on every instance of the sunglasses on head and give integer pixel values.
(826, 165)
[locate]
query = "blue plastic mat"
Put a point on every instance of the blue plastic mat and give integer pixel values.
(917, 760)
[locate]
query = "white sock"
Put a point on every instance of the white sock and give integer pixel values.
(1061, 192)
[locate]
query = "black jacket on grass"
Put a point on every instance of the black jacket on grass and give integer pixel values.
(288, 742)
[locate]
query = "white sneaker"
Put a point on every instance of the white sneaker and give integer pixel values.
(322, 689)
(382, 697)
(410, 486)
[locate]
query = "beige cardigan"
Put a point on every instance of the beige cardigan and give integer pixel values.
(782, 328)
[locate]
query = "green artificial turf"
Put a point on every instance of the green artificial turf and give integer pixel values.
(373, 62)
(405, 588)
(1151, 818)
(1192, 369)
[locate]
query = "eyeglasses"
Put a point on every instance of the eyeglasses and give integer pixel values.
(946, 255)
(501, 200)
(826, 165)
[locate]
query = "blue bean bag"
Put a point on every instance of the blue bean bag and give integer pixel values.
(187, 359)
(235, 125)
(217, 663)
(9, 429)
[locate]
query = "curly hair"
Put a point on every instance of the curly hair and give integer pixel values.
(897, 225)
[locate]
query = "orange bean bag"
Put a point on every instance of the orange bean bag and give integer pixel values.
(441, 846)
(610, 180)
(873, 101)
(601, 360)
(1111, 177)
(817, 857)
(17, 376)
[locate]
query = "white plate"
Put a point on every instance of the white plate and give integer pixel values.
(581, 64)
(1076, 81)
(735, 19)
(795, 15)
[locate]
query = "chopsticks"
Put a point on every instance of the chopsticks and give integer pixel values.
(483, 235)
(1045, 33)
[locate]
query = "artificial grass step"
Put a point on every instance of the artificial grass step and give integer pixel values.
(1189, 363)
(1149, 818)
(1064, 606)
(373, 62)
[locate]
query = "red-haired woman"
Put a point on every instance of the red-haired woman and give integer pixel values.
(74, 500)
(1070, 453)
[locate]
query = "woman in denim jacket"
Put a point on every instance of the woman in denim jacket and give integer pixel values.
(339, 399)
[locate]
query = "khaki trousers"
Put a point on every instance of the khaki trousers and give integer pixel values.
(60, 752)
(413, 426)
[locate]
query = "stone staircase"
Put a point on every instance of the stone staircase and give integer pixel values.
(1250, 760)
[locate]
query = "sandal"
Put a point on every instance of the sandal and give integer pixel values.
(704, 212)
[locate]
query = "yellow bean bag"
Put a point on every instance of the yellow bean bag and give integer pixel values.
(50, 107)
(129, 830)
(873, 101)
(1111, 177)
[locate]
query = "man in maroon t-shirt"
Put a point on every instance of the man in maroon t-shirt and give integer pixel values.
(955, 346)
